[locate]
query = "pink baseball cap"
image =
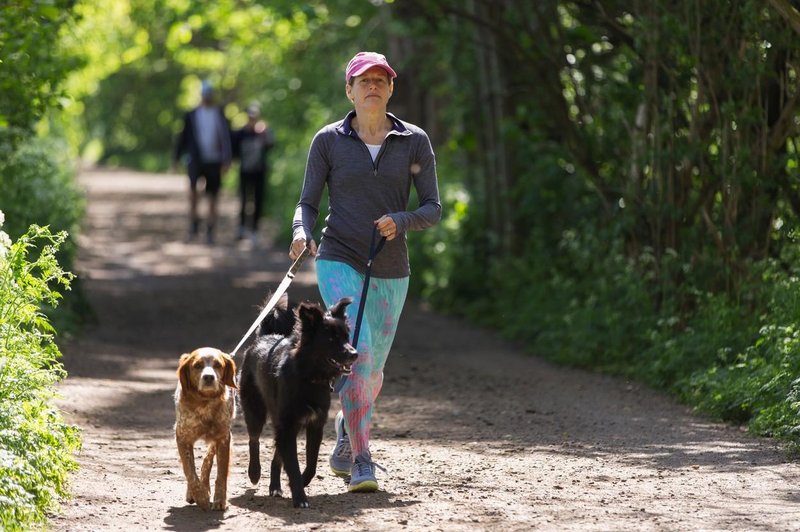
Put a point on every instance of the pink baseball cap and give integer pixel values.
(363, 61)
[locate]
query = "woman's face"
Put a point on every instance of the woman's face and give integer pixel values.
(372, 89)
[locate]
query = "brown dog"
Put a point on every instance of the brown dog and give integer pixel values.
(204, 410)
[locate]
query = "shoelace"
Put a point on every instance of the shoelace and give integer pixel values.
(361, 463)
(343, 447)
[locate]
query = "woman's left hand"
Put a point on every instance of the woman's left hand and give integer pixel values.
(386, 227)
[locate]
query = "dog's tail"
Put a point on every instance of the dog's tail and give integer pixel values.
(280, 320)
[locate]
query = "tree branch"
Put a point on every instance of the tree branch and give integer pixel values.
(788, 12)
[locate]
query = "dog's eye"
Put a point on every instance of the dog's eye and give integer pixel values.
(197, 365)
(217, 364)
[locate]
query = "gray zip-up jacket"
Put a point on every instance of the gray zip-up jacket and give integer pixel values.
(360, 191)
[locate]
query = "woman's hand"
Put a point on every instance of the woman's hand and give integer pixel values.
(386, 227)
(297, 247)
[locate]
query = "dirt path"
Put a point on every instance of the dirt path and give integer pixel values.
(475, 434)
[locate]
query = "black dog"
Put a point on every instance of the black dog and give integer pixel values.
(289, 379)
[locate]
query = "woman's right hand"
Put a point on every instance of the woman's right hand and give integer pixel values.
(297, 247)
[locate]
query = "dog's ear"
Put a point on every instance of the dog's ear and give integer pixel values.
(309, 316)
(337, 310)
(184, 364)
(230, 371)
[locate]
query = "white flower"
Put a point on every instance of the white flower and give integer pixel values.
(5, 243)
(2, 218)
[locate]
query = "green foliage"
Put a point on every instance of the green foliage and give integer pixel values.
(755, 380)
(559, 309)
(36, 445)
(31, 70)
(38, 186)
(36, 176)
(275, 53)
(678, 346)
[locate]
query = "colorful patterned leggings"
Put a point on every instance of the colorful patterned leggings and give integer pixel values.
(385, 300)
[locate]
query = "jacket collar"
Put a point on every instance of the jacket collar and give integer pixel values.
(344, 127)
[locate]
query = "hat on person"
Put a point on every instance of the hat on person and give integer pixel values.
(363, 61)
(253, 110)
(206, 89)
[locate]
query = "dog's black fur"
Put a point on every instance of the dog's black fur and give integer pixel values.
(288, 378)
(281, 319)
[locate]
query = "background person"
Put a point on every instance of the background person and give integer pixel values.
(251, 144)
(206, 140)
(368, 161)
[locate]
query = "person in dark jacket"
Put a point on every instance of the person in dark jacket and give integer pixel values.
(368, 161)
(250, 145)
(206, 142)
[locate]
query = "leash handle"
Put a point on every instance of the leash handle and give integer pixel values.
(298, 262)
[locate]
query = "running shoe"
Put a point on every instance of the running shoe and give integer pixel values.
(362, 474)
(342, 456)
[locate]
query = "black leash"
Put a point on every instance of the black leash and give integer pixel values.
(373, 252)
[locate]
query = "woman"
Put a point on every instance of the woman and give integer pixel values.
(368, 161)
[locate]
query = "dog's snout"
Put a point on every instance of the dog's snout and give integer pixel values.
(350, 351)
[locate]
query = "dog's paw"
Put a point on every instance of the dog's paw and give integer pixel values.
(275, 492)
(200, 496)
(301, 504)
(203, 503)
(254, 472)
(219, 505)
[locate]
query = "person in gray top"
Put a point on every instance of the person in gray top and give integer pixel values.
(368, 161)
(206, 141)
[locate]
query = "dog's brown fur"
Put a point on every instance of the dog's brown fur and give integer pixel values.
(204, 410)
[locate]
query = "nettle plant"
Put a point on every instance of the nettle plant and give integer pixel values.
(36, 445)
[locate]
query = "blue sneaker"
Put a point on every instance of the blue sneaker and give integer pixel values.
(342, 456)
(362, 474)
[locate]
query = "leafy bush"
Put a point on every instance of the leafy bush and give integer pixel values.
(757, 382)
(37, 186)
(33, 63)
(37, 181)
(680, 344)
(581, 304)
(36, 446)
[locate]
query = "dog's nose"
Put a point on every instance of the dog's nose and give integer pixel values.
(208, 378)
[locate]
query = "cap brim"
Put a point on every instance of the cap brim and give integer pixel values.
(364, 68)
